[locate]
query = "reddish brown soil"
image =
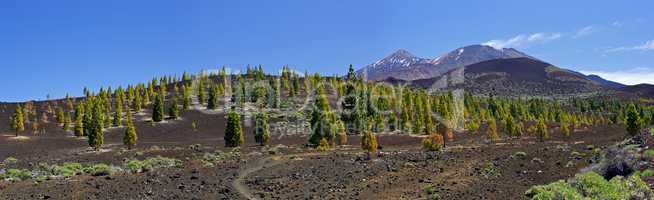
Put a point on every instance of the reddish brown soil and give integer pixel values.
(399, 171)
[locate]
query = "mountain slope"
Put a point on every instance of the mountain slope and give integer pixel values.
(512, 77)
(406, 66)
(640, 90)
(603, 82)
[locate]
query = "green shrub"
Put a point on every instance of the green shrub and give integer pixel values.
(67, 169)
(647, 173)
(520, 155)
(556, 190)
(16, 174)
(590, 185)
(432, 194)
(10, 160)
(490, 171)
(152, 163)
(649, 153)
(99, 170)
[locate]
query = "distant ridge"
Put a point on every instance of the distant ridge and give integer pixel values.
(404, 65)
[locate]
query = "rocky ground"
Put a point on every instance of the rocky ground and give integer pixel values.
(469, 168)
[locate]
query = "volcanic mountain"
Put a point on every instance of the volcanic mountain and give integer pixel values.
(640, 90)
(404, 65)
(512, 77)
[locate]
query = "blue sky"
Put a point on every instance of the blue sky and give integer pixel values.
(58, 47)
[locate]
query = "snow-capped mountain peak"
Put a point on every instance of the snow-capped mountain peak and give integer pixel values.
(403, 65)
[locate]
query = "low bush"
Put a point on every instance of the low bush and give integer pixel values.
(520, 155)
(10, 160)
(67, 169)
(210, 158)
(649, 153)
(591, 185)
(432, 194)
(647, 173)
(16, 174)
(152, 163)
(324, 145)
(434, 142)
(99, 170)
(556, 190)
(490, 171)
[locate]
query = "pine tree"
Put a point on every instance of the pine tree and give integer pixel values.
(234, 131)
(130, 137)
(136, 103)
(95, 134)
(79, 117)
(633, 120)
(18, 120)
(261, 131)
(341, 134)
(186, 95)
(565, 128)
(158, 108)
(491, 130)
(212, 102)
(319, 122)
(60, 115)
(67, 121)
(201, 92)
(369, 142)
(275, 93)
(512, 128)
(348, 115)
(173, 111)
(541, 130)
(118, 112)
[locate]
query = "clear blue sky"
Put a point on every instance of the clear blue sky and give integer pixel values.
(58, 47)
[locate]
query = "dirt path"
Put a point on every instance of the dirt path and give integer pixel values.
(260, 164)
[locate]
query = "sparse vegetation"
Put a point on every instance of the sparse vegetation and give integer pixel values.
(593, 186)
(433, 143)
(152, 163)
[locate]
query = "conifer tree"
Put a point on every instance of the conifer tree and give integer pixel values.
(95, 134)
(319, 122)
(491, 130)
(79, 117)
(158, 108)
(348, 115)
(118, 112)
(130, 137)
(67, 121)
(60, 115)
(234, 131)
(513, 128)
(341, 134)
(173, 111)
(541, 130)
(212, 102)
(186, 95)
(201, 98)
(18, 120)
(633, 120)
(275, 93)
(565, 128)
(368, 142)
(261, 131)
(137, 102)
